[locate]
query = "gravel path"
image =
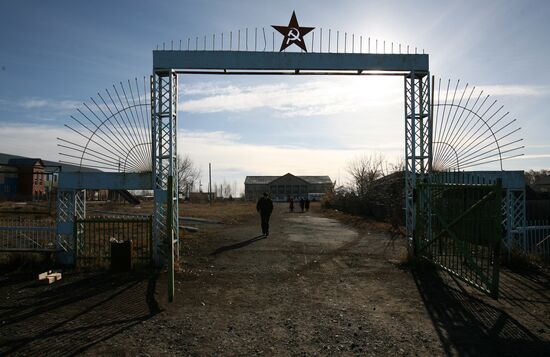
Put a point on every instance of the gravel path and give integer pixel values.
(313, 287)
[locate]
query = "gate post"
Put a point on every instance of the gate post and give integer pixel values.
(418, 145)
(164, 98)
(71, 204)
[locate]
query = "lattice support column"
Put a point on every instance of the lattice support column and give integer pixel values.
(515, 219)
(164, 98)
(71, 204)
(418, 144)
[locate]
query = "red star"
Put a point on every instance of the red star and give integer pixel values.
(293, 33)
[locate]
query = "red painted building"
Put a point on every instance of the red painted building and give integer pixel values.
(31, 177)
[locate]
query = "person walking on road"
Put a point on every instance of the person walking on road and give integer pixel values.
(265, 207)
(291, 204)
(302, 204)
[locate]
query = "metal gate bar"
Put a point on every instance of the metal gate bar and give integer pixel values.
(25, 235)
(466, 231)
(93, 237)
(536, 240)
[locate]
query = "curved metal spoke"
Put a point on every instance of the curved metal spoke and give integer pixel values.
(470, 130)
(114, 131)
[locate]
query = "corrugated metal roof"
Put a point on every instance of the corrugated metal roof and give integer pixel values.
(264, 180)
(316, 180)
(259, 180)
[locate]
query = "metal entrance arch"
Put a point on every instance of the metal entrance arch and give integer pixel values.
(167, 64)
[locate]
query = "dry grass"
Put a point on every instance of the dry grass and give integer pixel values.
(227, 212)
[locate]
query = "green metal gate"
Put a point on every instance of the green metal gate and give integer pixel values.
(94, 235)
(459, 228)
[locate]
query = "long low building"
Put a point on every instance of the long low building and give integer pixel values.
(283, 187)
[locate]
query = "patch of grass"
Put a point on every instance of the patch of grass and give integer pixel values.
(227, 212)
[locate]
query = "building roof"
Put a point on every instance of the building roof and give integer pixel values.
(264, 180)
(50, 166)
(317, 180)
(259, 180)
(25, 162)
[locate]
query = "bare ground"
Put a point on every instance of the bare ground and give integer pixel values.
(315, 286)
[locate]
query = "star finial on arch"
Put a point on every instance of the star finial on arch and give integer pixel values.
(293, 33)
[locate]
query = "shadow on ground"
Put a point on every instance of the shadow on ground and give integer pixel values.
(69, 317)
(237, 245)
(469, 326)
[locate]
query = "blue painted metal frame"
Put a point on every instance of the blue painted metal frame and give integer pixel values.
(241, 60)
(105, 180)
(414, 68)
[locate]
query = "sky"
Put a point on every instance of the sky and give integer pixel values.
(55, 55)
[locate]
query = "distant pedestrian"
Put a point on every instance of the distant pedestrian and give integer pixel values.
(307, 204)
(291, 204)
(302, 204)
(265, 207)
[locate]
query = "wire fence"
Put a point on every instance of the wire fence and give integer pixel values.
(537, 239)
(27, 235)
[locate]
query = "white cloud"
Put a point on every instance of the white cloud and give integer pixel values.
(42, 103)
(307, 98)
(534, 156)
(233, 160)
(514, 90)
(34, 141)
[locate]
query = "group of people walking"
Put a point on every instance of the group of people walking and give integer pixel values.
(304, 204)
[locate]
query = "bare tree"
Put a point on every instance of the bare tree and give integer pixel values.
(227, 190)
(364, 171)
(188, 174)
(532, 176)
(214, 190)
(396, 166)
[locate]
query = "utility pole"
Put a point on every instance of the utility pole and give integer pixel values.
(210, 183)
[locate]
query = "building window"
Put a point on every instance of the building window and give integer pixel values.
(295, 189)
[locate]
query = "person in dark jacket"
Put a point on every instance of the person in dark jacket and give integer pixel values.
(307, 204)
(302, 204)
(265, 207)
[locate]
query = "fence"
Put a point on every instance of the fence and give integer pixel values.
(94, 235)
(26, 235)
(537, 239)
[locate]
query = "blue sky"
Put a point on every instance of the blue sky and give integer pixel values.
(56, 54)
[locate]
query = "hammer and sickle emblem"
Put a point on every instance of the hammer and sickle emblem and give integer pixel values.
(293, 35)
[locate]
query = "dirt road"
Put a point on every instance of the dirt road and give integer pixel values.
(313, 287)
